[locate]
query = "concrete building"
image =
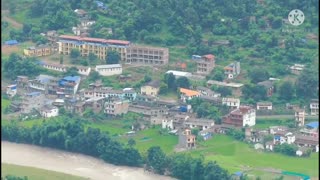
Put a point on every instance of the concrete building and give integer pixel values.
(234, 103)
(187, 139)
(109, 70)
(11, 90)
(49, 111)
(178, 74)
(232, 70)
(281, 137)
(54, 67)
(207, 92)
(236, 87)
(314, 107)
(264, 106)
(240, 117)
(299, 116)
(38, 51)
(87, 45)
(68, 86)
(297, 68)
(95, 103)
(85, 71)
(147, 55)
(40, 83)
(187, 94)
(206, 64)
(151, 88)
(202, 124)
(307, 141)
(116, 106)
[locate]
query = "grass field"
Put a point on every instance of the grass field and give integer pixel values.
(151, 137)
(235, 156)
(35, 173)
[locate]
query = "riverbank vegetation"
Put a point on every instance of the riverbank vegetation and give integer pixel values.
(70, 134)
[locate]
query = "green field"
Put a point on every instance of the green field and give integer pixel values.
(35, 173)
(151, 137)
(234, 156)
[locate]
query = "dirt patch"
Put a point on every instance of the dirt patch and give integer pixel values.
(11, 21)
(7, 50)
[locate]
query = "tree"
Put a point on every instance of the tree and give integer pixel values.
(170, 80)
(286, 90)
(92, 58)
(113, 57)
(74, 53)
(131, 142)
(72, 71)
(156, 159)
(183, 82)
(61, 59)
(257, 75)
(146, 78)
(307, 85)
(94, 75)
(224, 91)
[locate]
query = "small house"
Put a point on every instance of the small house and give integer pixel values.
(264, 106)
(11, 90)
(151, 88)
(187, 94)
(11, 42)
(109, 70)
(49, 111)
(314, 107)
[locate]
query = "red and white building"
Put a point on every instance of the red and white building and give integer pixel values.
(240, 117)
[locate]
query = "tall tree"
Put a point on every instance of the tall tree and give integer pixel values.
(113, 57)
(286, 90)
(156, 159)
(307, 85)
(183, 82)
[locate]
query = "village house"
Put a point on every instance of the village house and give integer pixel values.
(299, 116)
(206, 134)
(175, 120)
(236, 87)
(281, 137)
(264, 106)
(148, 109)
(233, 103)
(255, 136)
(222, 128)
(240, 117)
(187, 94)
(11, 90)
(49, 111)
(95, 103)
(310, 129)
(314, 107)
(269, 145)
(207, 92)
(30, 101)
(146, 98)
(297, 68)
(87, 45)
(40, 83)
(201, 124)
(125, 78)
(109, 70)
(232, 70)
(55, 67)
(22, 81)
(80, 13)
(151, 88)
(178, 74)
(129, 93)
(307, 141)
(85, 71)
(274, 129)
(186, 139)
(269, 87)
(116, 106)
(38, 51)
(206, 64)
(146, 55)
(68, 86)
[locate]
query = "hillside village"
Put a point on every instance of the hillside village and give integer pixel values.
(52, 93)
(193, 99)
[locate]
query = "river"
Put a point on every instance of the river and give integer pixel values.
(70, 163)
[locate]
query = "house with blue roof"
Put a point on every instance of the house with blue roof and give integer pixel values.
(68, 86)
(11, 42)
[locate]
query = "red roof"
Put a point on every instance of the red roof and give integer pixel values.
(99, 40)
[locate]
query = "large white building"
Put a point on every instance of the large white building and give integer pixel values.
(178, 74)
(109, 70)
(240, 117)
(231, 102)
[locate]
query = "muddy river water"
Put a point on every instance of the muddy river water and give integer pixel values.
(70, 163)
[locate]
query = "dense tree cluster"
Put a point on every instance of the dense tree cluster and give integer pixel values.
(287, 149)
(183, 166)
(69, 133)
(12, 177)
(15, 65)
